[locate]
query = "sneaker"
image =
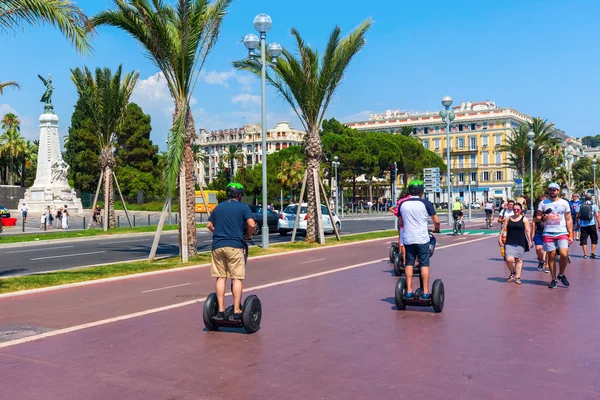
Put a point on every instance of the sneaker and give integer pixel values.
(563, 279)
(426, 296)
(585, 257)
(592, 255)
(511, 277)
(547, 270)
(235, 317)
(540, 266)
(220, 315)
(553, 284)
(409, 295)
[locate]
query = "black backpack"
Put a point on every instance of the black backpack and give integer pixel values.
(586, 212)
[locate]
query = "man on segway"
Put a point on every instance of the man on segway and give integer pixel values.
(413, 216)
(227, 222)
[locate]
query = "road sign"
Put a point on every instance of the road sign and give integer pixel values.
(432, 180)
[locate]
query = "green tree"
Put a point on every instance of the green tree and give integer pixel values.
(308, 83)
(104, 97)
(30, 166)
(136, 157)
(591, 141)
(177, 40)
(406, 131)
(12, 143)
(583, 174)
(232, 154)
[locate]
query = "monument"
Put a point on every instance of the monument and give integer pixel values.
(51, 187)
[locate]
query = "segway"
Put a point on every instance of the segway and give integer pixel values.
(399, 267)
(394, 249)
(437, 290)
(251, 311)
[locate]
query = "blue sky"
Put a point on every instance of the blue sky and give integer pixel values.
(540, 57)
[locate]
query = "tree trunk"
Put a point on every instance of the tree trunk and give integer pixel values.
(314, 153)
(371, 190)
(188, 159)
(107, 163)
(353, 191)
(23, 170)
(10, 176)
(107, 205)
(404, 179)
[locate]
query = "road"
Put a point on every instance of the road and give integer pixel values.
(64, 254)
(329, 330)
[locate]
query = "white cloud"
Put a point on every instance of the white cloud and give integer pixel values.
(245, 99)
(244, 80)
(28, 123)
(238, 118)
(359, 116)
(153, 94)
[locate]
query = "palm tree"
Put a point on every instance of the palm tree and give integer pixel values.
(104, 97)
(177, 40)
(63, 14)
(234, 153)
(291, 173)
(200, 157)
(12, 143)
(308, 83)
(406, 131)
(8, 84)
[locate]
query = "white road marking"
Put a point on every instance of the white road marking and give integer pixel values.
(190, 302)
(315, 260)
(166, 287)
(129, 241)
(24, 251)
(68, 255)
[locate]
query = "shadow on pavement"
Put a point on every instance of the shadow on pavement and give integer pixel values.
(10, 272)
(525, 281)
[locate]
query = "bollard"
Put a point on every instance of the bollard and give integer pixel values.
(175, 219)
(0, 223)
(134, 220)
(102, 220)
(84, 223)
(118, 221)
(148, 219)
(23, 224)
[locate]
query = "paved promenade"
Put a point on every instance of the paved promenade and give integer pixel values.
(330, 330)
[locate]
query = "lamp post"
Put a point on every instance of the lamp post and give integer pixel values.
(594, 161)
(336, 164)
(531, 135)
(262, 24)
(569, 158)
(448, 116)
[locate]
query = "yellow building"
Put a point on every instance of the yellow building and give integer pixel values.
(475, 136)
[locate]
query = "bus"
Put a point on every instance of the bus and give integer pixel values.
(211, 200)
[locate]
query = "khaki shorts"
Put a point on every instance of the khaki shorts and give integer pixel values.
(228, 262)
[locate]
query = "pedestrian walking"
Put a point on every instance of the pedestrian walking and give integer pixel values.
(518, 240)
(65, 218)
(588, 218)
(24, 210)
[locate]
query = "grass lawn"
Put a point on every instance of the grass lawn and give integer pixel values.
(34, 237)
(120, 269)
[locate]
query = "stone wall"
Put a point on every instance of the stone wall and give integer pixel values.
(10, 196)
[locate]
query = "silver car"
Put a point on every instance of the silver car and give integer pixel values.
(288, 217)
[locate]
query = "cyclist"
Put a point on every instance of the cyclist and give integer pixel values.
(413, 216)
(489, 210)
(457, 212)
(558, 232)
(226, 222)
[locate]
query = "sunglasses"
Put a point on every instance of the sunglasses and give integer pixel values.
(517, 210)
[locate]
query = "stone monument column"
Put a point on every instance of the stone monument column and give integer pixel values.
(51, 187)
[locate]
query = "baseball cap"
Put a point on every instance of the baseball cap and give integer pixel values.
(554, 185)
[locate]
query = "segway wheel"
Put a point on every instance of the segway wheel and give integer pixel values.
(400, 293)
(251, 314)
(437, 295)
(397, 264)
(393, 252)
(211, 307)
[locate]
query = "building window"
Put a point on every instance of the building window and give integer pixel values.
(498, 140)
(499, 176)
(473, 143)
(277, 146)
(436, 144)
(498, 158)
(473, 177)
(284, 145)
(485, 157)
(426, 130)
(461, 161)
(461, 177)
(485, 125)
(473, 126)
(473, 161)
(460, 143)
(426, 144)
(485, 176)
(460, 127)
(484, 141)
(414, 131)
(437, 129)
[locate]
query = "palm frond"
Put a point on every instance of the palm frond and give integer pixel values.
(6, 84)
(63, 14)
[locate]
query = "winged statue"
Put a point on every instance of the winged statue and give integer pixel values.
(47, 96)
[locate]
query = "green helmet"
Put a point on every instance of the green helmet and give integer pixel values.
(416, 187)
(234, 189)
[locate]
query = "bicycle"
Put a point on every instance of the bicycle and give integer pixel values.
(488, 221)
(458, 227)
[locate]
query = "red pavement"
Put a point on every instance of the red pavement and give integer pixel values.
(336, 336)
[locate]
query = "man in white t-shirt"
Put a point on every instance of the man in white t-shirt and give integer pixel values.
(506, 211)
(489, 209)
(413, 215)
(24, 210)
(558, 231)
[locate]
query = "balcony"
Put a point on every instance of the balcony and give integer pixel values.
(463, 166)
(463, 150)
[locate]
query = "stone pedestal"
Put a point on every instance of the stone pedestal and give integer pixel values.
(51, 187)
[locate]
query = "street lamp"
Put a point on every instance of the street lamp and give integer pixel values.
(569, 158)
(594, 161)
(336, 164)
(262, 24)
(448, 116)
(530, 136)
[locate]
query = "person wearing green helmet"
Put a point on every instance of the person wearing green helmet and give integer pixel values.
(413, 215)
(227, 222)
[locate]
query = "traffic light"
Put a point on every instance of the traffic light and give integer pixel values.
(393, 173)
(228, 174)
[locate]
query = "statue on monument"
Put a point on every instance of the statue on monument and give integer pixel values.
(60, 170)
(47, 96)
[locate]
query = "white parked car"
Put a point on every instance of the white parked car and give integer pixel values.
(288, 217)
(475, 205)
